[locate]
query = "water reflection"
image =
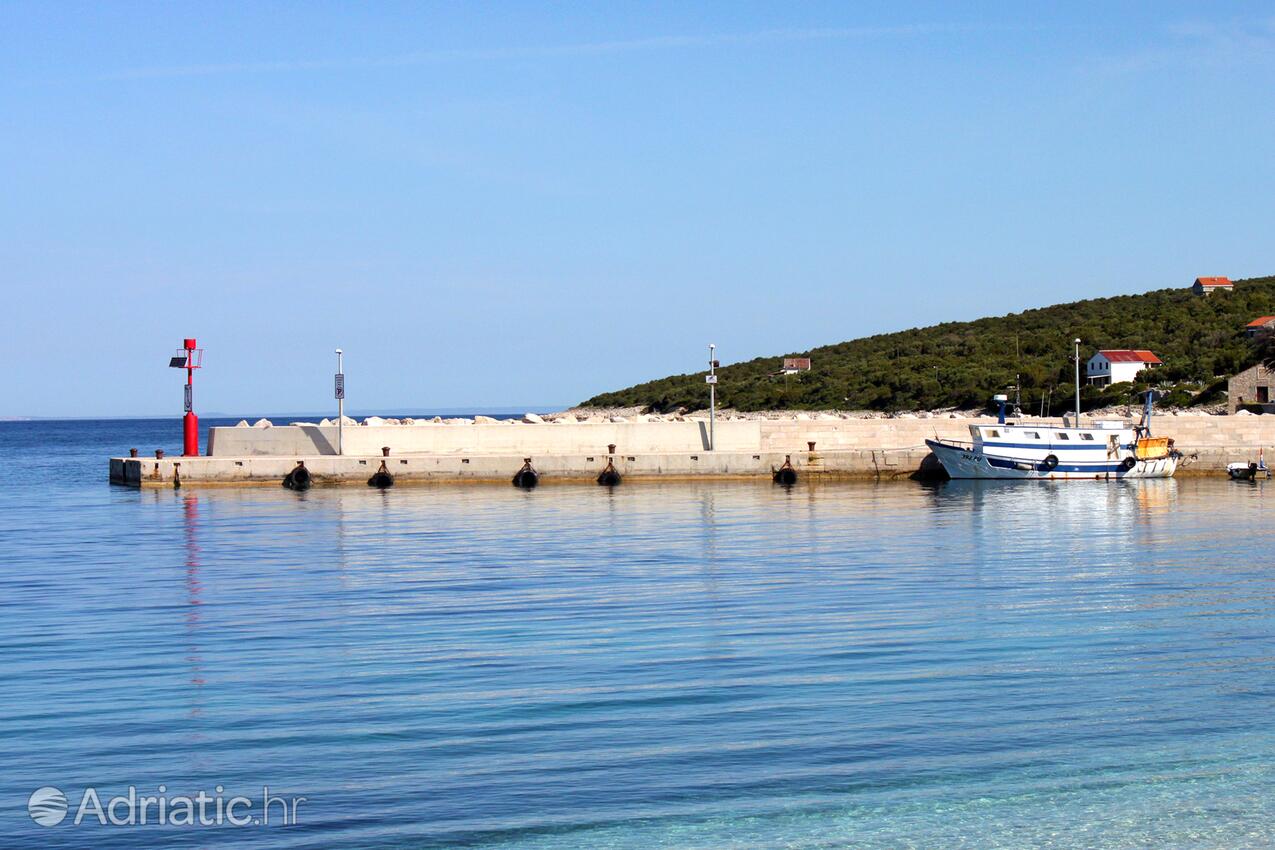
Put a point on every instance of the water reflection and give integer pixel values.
(868, 665)
(190, 519)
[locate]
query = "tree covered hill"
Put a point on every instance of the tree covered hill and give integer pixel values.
(962, 364)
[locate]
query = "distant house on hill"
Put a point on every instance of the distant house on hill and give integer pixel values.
(1116, 366)
(1252, 386)
(793, 365)
(1258, 325)
(1209, 285)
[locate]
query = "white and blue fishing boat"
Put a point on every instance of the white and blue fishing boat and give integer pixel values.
(1109, 450)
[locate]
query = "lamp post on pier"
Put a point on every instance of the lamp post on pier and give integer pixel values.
(340, 402)
(1077, 343)
(711, 380)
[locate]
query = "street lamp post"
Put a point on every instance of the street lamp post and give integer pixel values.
(711, 378)
(340, 401)
(1077, 342)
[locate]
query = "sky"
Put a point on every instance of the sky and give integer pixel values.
(520, 205)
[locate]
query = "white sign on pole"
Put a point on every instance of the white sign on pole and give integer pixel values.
(710, 379)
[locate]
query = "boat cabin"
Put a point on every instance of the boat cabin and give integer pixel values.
(1106, 435)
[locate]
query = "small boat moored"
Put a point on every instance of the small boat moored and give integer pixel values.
(1251, 471)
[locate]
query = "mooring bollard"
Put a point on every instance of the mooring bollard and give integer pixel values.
(132, 452)
(385, 452)
(810, 446)
(159, 454)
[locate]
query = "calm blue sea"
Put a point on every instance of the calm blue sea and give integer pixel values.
(1079, 665)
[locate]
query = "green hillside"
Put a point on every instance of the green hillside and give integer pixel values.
(962, 364)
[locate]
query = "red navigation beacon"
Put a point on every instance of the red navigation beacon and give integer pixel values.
(189, 358)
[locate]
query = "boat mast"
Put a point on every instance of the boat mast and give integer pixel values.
(1077, 341)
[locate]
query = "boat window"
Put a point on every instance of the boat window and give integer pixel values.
(1060, 435)
(993, 433)
(1086, 436)
(1035, 435)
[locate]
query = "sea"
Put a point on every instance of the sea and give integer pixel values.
(659, 665)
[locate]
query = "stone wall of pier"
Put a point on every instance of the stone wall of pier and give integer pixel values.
(1208, 441)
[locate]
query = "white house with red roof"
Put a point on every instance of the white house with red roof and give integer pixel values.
(1209, 285)
(1118, 365)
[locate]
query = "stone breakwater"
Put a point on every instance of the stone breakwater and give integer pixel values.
(561, 449)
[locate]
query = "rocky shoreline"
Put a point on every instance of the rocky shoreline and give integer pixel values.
(619, 415)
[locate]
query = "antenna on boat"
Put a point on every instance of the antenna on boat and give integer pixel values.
(1077, 343)
(1151, 397)
(1018, 379)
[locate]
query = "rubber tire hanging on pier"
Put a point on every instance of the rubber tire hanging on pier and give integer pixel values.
(526, 478)
(785, 475)
(381, 479)
(299, 478)
(608, 477)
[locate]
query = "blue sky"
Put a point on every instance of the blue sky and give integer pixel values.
(516, 205)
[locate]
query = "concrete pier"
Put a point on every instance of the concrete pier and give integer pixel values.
(866, 449)
(830, 448)
(579, 468)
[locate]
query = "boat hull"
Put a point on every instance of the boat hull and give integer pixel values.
(972, 462)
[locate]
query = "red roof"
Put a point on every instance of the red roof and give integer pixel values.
(1214, 281)
(1129, 355)
(1261, 321)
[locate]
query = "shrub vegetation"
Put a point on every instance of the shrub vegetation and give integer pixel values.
(962, 364)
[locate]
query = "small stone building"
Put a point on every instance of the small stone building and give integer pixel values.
(1258, 325)
(1252, 386)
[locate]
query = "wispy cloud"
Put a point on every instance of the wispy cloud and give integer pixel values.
(1196, 43)
(595, 48)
